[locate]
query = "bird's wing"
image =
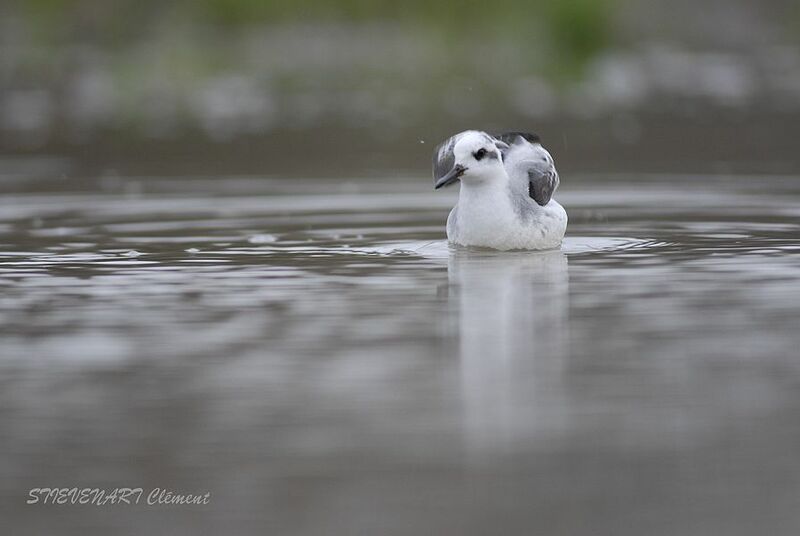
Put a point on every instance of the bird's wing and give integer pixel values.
(526, 160)
(510, 138)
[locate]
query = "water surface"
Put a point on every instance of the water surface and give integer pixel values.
(318, 358)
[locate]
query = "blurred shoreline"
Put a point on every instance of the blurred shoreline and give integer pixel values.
(610, 86)
(735, 144)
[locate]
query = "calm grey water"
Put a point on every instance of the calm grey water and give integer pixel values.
(315, 356)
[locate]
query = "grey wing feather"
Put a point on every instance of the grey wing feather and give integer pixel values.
(511, 137)
(542, 184)
(526, 160)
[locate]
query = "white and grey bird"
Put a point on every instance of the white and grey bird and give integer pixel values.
(506, 197)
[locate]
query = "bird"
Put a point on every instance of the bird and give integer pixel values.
(505, 200)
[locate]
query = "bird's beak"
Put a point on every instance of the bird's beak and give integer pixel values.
(452, 176)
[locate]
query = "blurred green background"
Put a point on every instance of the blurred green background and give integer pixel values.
(242, 86)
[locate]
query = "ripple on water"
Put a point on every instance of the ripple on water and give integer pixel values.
(358, 343)
(442, 249)
(359, 239)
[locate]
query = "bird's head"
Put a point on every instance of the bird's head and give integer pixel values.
(473, 157)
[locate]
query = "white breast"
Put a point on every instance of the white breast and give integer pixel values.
(485, 216)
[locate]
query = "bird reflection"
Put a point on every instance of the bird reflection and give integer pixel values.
(512, 311)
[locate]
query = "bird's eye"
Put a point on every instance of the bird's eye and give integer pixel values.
(480, 153)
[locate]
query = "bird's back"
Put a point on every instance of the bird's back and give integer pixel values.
(533, 180)
(530, 167)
